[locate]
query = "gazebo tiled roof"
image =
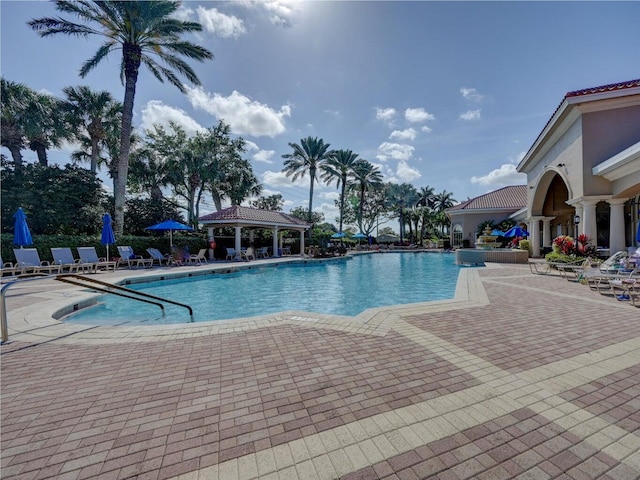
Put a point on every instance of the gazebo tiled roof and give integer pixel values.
(507, 198)
(246, 216)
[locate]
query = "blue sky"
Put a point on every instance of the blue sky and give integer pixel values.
(445, 94)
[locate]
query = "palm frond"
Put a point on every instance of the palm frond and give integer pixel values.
(93, 62)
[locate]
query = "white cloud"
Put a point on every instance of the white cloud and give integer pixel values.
(395, 151)
(470, 115)
(281, 12)
(330, 195)
(406, 134)
(184, 14)
(415, 115)
(385, 114)
(406, 173)
(156, 112)
(221, 25)
(471, 94)
(245, 116)
(264, 156)
(505, 175)
(279, 179)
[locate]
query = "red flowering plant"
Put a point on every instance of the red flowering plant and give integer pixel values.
(568, 249)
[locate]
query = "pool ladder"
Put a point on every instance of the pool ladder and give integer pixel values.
(106, 287)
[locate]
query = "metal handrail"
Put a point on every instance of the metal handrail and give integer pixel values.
(133, 294)
(4, 328)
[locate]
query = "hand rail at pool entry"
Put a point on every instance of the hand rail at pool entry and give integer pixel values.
(4, 328)
(132, 294)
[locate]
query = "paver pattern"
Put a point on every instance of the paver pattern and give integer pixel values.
(521, 376)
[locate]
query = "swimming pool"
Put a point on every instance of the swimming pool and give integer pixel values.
(346, 287)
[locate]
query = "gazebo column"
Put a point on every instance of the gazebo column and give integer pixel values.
(547, 239)
(238, 244)
(302, 243)
(210, 238)
(616, 225)
(275, 241)
(534, 228)
(588, 224)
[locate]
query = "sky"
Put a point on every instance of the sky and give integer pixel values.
(449, 95)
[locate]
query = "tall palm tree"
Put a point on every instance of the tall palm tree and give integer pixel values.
(339, 167)
(91, 114)
(145, 32)
(365, 176)
(426, 196)
(15, 98)
(307, 157)
(443, 201)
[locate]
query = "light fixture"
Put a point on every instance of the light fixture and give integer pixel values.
(560, 165)
(576, 219)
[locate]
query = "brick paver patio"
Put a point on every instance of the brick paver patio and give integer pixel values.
(521, 376)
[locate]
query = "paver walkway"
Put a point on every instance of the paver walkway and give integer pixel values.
(521, 376)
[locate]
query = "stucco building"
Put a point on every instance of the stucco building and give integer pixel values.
(583, 170)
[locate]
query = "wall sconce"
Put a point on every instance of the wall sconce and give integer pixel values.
(560, 165)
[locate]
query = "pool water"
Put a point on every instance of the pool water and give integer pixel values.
(344, 288)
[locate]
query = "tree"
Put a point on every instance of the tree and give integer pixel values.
(401, 197)
(92, 115)
(303, 214)
(442, 201)
(307, 157)
(145, 32)
(273, 202)
(15, 97)
(365, 176)
(339, 167)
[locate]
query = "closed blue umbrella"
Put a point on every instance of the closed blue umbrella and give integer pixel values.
(21, 233)
(107, 238)
(515, 232)
(170, 226)
(638, 232)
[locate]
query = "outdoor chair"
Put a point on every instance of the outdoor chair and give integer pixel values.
(157, 256)
(262, 252)
(88, 255)
(200, 257)
(131, 259)
(7, 268)
(28, 260)
(248, 254)
(64, 257)
(231, 254)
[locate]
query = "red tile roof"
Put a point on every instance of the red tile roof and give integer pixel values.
(513, 197)
(604, 88)
(249, 215)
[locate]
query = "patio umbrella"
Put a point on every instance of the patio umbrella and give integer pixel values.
(497, 233)
(359, 236)
(21, 233)
(638, 232)
(339, 235)
(170, 226)
(515, 232)
(107, 238)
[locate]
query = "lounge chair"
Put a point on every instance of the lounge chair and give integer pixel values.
(200, 258)
(231, 254)
(131, 259)
(262, 252)
(248, 254)
(7, 268)
(88, 255)
(28, 260)
(157, 256)
(64, 257)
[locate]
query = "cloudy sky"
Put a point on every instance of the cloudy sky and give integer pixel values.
(445, 94)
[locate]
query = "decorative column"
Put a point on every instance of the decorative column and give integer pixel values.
(210, 239)
(617, 240)
(302, 243)
(275, 242)
(588, 223)
(238, 245)
(534, 228)
(547, 238)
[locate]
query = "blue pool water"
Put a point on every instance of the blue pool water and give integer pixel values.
(344, 287)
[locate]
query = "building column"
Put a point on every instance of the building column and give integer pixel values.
(302, 243)
(238, 244)
(275, 242)
(588, 222)
(210, 239)
(617, 240)
(534, 228)
(547, 238)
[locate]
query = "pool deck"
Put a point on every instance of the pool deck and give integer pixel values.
(520, 376)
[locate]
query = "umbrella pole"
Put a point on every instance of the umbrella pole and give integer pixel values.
(171, 240)
(107, 252)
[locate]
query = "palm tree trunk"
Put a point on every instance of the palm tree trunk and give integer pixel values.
(94, 154)
(16, 155)
(312, 174)
(342, 202)
(131, 54)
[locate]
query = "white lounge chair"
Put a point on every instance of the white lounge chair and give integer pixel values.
(131, 259)
(64, 257)
(28, 260)
(262, 252)
(200, 258)
(248, 254)
(7, 268)
(88, 255)
(231, 254)
(157, 256)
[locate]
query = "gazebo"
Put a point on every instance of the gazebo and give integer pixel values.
(254, 218)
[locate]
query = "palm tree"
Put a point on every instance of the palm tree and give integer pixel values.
(340, 167)
(365, 176)
(309, 156)
(91, 114)
(443, 201)
(426, 196)
(15, 97)
(145, 32)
